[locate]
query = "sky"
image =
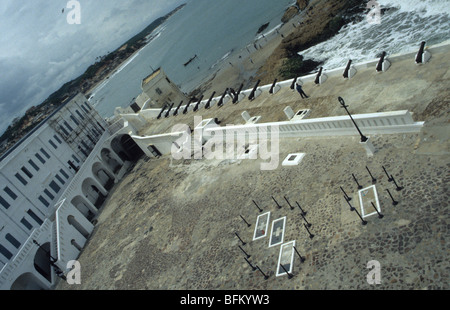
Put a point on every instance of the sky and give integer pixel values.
(40, 50)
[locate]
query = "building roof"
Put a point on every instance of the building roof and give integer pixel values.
(151, 76)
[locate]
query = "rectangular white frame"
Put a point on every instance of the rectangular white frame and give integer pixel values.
(377, 203)
(282, 233)
(295, 162)
(279, 259)
(256, 226)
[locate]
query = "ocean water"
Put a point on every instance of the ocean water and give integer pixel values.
(210, 29)
(402, 28)
(214, 29)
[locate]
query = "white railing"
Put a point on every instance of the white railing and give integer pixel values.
(118, 125)
(372, 123)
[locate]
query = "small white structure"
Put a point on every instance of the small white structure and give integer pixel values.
(248, 119)
(301, 114)
(368, 147)
(293, 159)
(289, 112)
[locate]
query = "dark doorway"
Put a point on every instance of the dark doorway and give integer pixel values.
(134, 152)
(42, 261)
(155, 152)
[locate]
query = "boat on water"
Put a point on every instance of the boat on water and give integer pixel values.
(190, 60)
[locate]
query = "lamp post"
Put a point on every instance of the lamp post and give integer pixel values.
(363, 137)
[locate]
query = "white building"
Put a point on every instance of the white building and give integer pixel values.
(160, 90)
(53, 183)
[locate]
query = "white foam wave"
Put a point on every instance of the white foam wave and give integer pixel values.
(400, 31)
(425, 8)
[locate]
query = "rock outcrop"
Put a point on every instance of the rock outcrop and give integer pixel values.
(320, 23)
(302, 4)
(294, 10)
(290, 13)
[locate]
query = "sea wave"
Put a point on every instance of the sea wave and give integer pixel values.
(221, 59)
(401, 29)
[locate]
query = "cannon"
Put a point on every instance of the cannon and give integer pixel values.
(347, 69)
(168, 111)
(207, 106)
(317, 80)
(252, 94)
(175, 113)
(187, 106)
(236, 95)
(223, 96)
(198, 104)
(419, 59)
(273, 86)
(161, 112)
(422, 56)
(293, 83)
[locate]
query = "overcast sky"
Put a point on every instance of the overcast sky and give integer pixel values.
(40, 51)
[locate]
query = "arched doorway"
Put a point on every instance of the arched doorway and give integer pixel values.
(81, 204)
(73, 222)
(27, 281)
(92, 193)
(126, 148)
(103, 176)
(42, 261)
(110, 161)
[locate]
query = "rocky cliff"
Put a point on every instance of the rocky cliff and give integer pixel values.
(322, 20)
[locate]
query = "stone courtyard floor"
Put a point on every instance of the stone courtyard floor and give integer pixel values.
(171, 225)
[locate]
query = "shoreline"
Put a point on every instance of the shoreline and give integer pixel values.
(243, 65)
(122, 65)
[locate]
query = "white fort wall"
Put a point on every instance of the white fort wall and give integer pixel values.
(372, 123)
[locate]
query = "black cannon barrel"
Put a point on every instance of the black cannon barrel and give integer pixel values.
(317, 81)
(176, 110)
(347, 69)
(252, 94)
(419, 54)
(273, 86)
(161, 112)
(380, 62)
(236, 95)
(168, 111)
(220, 103)
(207, 106)
(293, 83)
(187, 106)
(198, 104)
